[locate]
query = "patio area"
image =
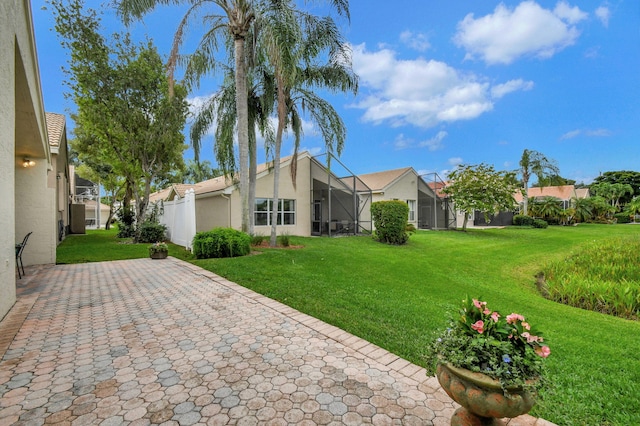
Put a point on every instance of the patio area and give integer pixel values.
(144, 341)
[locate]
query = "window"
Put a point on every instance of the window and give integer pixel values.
(264, 207)
(412, 210)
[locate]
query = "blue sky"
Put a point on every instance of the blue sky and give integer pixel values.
(444, 83)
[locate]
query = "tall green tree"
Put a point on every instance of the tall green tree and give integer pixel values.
(633, 207)
(125, 116)
(293, 43)
(622, 176)
(228, 18)
(534, 163)
(612, 192)
(480, 187)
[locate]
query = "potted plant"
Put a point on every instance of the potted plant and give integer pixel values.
(158, 250)
(492, 365)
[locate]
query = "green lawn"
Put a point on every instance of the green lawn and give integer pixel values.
(396, 297)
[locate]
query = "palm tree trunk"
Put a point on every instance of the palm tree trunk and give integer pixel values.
(282, 115)
(243, 130)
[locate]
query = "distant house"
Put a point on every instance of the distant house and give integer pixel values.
(58, 177)
(85, 192)
(33, 178)
(427, 209)
(319, 203)
(565, 194)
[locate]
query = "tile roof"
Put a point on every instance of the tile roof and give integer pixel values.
(564, 192)
(380, 180)
(55, 127)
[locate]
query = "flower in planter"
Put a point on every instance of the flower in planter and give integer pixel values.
(158, 247)
(505, 348)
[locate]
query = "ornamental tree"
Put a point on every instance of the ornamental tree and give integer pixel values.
(480, 187)
(125, 116)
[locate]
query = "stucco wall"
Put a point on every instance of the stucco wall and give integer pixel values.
(211, 212)
(35, 209)
(301, 193)
(22, 133)
(7, 157)
(405, 188)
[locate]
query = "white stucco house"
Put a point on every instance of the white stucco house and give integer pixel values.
(34, 177)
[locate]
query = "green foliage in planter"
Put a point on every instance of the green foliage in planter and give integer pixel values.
(390, 221)
(523, 220)
(221, 242)
(539, 223)
(622, 217)
(151, 232)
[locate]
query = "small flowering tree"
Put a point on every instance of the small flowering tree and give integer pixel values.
(481, 188)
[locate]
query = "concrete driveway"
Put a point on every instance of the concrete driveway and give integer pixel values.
(144, 341)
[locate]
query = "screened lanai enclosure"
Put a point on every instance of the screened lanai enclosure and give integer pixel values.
(434, 210)
(338, 199)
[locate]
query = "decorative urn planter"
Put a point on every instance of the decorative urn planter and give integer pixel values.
(482, 399)
(159, 255)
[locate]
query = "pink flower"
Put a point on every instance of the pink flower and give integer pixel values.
(543, 351)
(511, 319)
(529, 337)
(478, 304)
(486, 312)
(495, 316)
(478, 326)
(526, 325)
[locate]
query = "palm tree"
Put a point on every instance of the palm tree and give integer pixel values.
(220, 109)
(535, 163)
(293, 40)
(549, 208)
(235, 22)
(633, 207)
(583, 209)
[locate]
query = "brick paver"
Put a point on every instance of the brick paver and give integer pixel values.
(144, 341)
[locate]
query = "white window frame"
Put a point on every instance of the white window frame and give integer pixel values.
(412, 210)
(260, 209)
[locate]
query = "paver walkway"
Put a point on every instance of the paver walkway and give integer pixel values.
(145, 341)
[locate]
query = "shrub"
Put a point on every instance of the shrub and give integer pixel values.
(284, 240)
(221, 242)
(539, 223)
(151, 232)
(126, 219)
(522, 220)
(411, 228)
(390, 221)
(622, 217)
(257, 239)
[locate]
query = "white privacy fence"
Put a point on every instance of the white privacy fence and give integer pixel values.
(179, 216)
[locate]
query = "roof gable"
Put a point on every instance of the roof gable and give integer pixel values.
(55, 128)
(381, 180)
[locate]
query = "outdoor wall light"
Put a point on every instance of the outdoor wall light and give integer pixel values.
(27, 162)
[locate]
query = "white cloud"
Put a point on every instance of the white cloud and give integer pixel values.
(528, 30)
(418, 92)
(603, 14)
(455, 161)
(572, 15)
(500, 90)
(591, 133)
(417, 41)
(401, 142)
(435, 143)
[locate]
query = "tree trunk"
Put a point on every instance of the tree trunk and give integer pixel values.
(243, 130)
(253, 166)
(282, 116)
